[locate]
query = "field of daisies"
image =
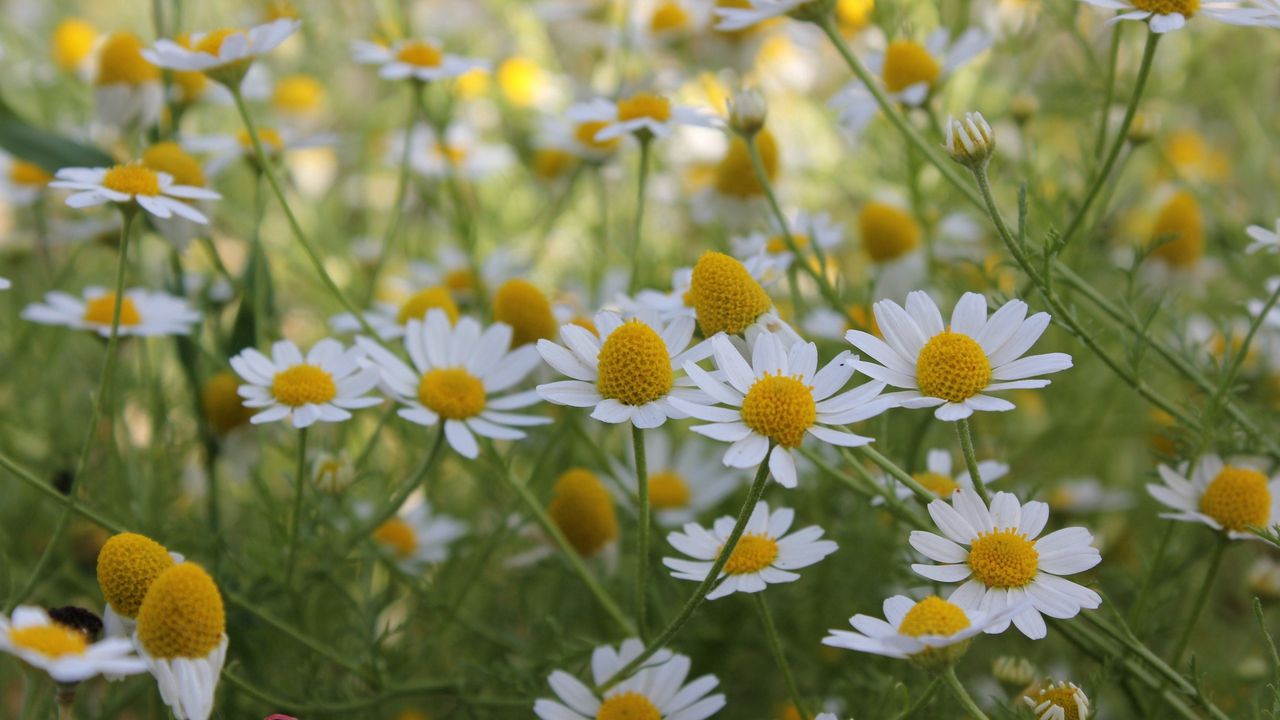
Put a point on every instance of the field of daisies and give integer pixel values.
(639, 359)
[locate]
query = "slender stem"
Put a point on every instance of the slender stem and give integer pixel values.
(1206, 588)
(402, 187)
(300, 486)
(921, 699)
(1137, 613)
(642, 553)
(971, 459)
(1104, 121)
(321, 649)
(66, 701)
(646, 140)
(775, 646)
(699, 595)
(29, 478)
(902, 476)
(391, 508)
(957, 689)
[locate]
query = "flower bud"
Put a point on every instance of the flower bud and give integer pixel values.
(747, 111)
(1022, 108)
(970, 141)
(1015, 672)
(1141, 130)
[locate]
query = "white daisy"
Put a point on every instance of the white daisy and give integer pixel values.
(142, 312)
(765, 553)
(21, 182)
(459, 152)
(223, 48)
(1263, 239)
(683, 481)
(1230, 498)
(756, 11)
(628, 373)
(62, 651)
(778, 399)
(321, 387)
(951, 366)
(657, 690)
(917, 630)
(128, 91)
(420, 60)
(417, 537)
(638, 114)
(154, 191)
(181, 634)
(1058, 702)
(678, 302)
(226, 149)
(808, 230)
(455, 370)
(937, 477)
(452, 269)
(996, 553)
(1163, 17)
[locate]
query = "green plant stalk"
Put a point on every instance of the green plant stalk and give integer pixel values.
(402, 188)
(300, 480)
(962, 695)
(376, 520)
(965, 432)
(1202, 598)
(642, 552)
(637, 227)
(29, 478)
(775, 646)
(898, 474)
(1109, 89)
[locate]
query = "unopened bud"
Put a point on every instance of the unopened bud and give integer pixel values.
(1141, 130)
(747, 111)
(1016, 672)
(970, 141)
(814, 11)
(1022, 108)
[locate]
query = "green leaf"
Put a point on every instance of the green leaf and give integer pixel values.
(50, 151)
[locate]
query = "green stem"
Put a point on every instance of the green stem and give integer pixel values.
(898, 474)
(402, 187)
(957, 689)
(29, 478)
(300, 480)
(391, 508)
(699, 595)
(971, 459)
(1108, 93)
(921, 699)
(646, 141)
(1137, 613)
(775, 646)
(1206, 588)
(642, 553)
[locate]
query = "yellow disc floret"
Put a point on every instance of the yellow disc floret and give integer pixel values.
(182, 616)
(634, 365)
(222, 405)
(936, 483)
(888, 232)
(127, 566)
(298, 94)
(735, 176)
(101, 310)
(397, 535)
(121, 63)
(52, 640)
(628, 706)
(1180, 229)
(933, 616)
(670, 16)
(781, 408)
(644, 105)
(452, 393)
(417, 306)
(132, 179)
(270, 139)
(420, 54)
(1238, 498)
(753, 553)
(169, 157)
(1004, 559)
(551, 163)
(521, 81)
(1062, 695)
(1186, 8)
(668, 490)
(907, 63)
(72, 43)
(952, 366)
(25, 173)
(522, 306)
(211, 42)
(854, 15)
(585, 133)
(303, 385)
(778, 243)
(724, 295)
(582, 509)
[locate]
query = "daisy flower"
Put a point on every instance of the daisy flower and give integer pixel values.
(225, 149)
(1164, 16)
(727, 297)
(453, 270)
(1229, 498)
(21, 182)
(127, 565)
(181, 634)
(931, 632)
(153, 191)
(583, 510)
(332, 473)
(626, 371)
(420, 60)
(389, 320)
(910, 73)
(951, 366)
(937, 477)
(996, 553)
(63, 651)
(657, 690)
(667, 21)
(1263, 239)
(323, 386)
(765, 553)
(169, 157)
(1061, 701)
(455, 370)
(127, 89)
(777, 400)
(142, 312)
(418, 537)
(808, 231)
(458, 152)
(742, 15)
(683, 481)
(642, 114)
(224, 54)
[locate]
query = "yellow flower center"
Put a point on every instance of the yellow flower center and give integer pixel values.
(452, 393)
(72, 42)
(952, 366)
(888, 232)
(191, 85)
(1186, 8)
(417, 306)
(133, 179)
(22, 172)
(461, 280)
(182, 615)
(272, 141)
(634, 365)
(397, 535)
(101, 310)
(586, 133)
(455, 155)
(724, 295)
(121, 63)
(127, 565)
(753, 553)
(1064, 696)
(781, 408)
(644, 105)
(521, 81)
(222, 404)
(735, 176)
(907, 63)
(169, 157)
(420, 54)
(1238, 498)
(628, 706)
(522, 306)
(303, 385)
(668, 491)
(52, 640)
(1003, 559)
(933, 616)
(778, 243)
(551, 163)
(583, 510)
(853, 15)
(211, 42)
(1180, 229)
(298, 94)
(936, 483)
(668, 17)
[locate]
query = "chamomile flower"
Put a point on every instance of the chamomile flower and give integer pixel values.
(1164, 16)
(931, 632)
(225, 149)
(332, 473)
(643, 114)
(142, 312)
(583, 510)
(21, 182)
(128, 89)
(418, 537)
(71, 45)
(224, 54)
(181, 634)
(727, 297)
(389, 320)
(520, 304)
(742, 15)
(627, 371)
(421, 60)
(132, 185)
(455, 370)
(937, 477)
(65, 652)
(657, 691)
(169, 157)
(452, 269)
(458, 152)
(321, 387)
(1061, 701)
(684, 481)
(1228, 498)
(995, 552)
(666, 21)
(765, 554)
(808, 231)
(777, 400)
(1263, 239)
(951, 366)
